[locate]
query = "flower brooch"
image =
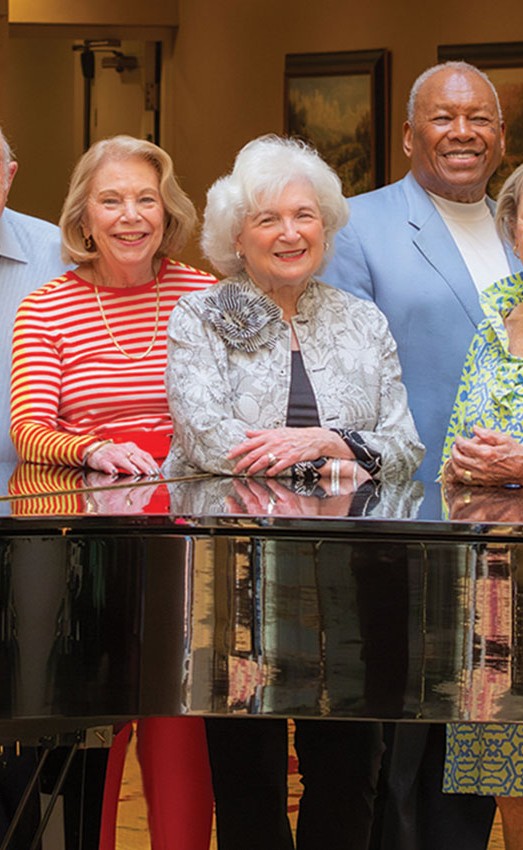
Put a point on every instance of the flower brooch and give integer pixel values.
(244, 319)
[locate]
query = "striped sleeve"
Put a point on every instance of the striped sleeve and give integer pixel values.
(81, 373)
(36, 391)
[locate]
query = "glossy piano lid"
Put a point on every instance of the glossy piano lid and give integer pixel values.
(30, 490)
(230, 596)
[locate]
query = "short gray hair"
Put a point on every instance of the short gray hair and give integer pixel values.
(7, 157)
(262, 169)
(460, 66)
(507, 205)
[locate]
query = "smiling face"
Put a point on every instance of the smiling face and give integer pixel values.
(283, 241)
(125, 216)
(456, 140)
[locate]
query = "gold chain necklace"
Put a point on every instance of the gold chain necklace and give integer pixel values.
(120, 348)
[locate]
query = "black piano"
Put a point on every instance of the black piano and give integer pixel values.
(231, 597)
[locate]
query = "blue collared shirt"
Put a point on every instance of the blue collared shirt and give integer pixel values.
(29, 257)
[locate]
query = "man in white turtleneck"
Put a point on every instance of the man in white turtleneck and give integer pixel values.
(422, 249)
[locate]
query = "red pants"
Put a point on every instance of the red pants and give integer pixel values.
(177, 783)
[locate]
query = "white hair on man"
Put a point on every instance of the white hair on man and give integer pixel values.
(460, 66)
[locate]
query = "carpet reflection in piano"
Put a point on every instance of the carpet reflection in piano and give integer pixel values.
(493, 599)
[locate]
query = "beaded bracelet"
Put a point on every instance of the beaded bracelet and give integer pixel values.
(305, 472)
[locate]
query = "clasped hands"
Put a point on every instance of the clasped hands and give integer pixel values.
(271, 451)
(488, 458)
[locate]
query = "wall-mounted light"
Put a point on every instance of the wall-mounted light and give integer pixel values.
(120, 62)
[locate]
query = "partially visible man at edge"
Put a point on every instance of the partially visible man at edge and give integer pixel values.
(29, 256)
(422, 249)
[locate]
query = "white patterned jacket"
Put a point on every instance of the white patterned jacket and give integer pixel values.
(217, 392)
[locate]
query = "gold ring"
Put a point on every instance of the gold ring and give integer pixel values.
(271, 458)
(467, 476)
(129, 455)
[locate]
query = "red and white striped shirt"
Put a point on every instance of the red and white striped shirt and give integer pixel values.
(70, 385)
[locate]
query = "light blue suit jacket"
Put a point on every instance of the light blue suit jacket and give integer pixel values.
(397, 251)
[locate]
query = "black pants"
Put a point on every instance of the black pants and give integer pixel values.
(417, 815)
(339, 763)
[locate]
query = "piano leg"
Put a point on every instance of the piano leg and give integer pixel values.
(54, 796)
(27, 795)
(16, 770)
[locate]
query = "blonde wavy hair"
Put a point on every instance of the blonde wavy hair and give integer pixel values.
(180, 215)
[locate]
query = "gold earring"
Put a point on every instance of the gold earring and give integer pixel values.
(88, 243)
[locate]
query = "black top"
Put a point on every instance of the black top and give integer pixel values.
(302, 411)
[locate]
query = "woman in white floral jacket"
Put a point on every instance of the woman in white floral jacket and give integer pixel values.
(273, 373)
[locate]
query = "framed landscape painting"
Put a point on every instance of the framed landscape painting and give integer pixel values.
(339, 102)
(503, 63)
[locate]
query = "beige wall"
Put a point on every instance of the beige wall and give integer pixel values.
(3, 54)
(39, 122)
(227, 75)
(223, 76)
(132, 12)
(225, 80)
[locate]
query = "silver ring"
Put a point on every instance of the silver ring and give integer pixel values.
(271, 458)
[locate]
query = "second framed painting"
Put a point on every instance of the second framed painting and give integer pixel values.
(339, 102)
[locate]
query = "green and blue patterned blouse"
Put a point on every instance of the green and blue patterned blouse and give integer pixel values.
(491, 389)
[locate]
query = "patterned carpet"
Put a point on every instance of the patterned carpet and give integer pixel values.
(132, 833)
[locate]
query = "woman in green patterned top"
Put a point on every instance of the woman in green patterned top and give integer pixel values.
(484, 444)
(484, 447)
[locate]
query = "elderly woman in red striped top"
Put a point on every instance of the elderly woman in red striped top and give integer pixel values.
(89, 348)
(87, 389)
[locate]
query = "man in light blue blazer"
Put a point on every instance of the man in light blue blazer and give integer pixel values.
(398, 251)
(422, 249)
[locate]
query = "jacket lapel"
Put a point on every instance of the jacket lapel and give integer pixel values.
(433, 240)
